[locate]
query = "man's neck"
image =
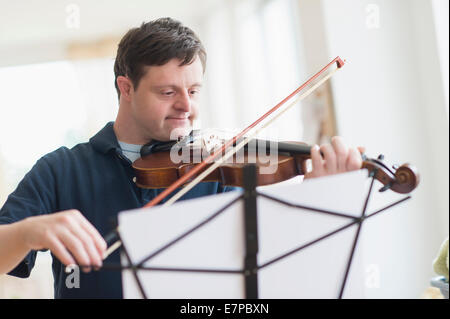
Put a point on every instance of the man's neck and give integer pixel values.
(126, 130)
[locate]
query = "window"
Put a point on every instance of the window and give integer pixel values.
(252, 65)
(49, 105)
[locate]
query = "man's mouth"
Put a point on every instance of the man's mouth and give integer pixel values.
(180, 119)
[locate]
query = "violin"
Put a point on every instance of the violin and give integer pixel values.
(163, 163)
(403, 179)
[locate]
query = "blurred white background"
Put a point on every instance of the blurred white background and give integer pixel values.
(57, 88)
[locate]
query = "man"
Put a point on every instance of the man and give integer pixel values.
(70, 197)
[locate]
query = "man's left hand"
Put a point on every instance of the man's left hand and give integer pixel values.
(337, 158)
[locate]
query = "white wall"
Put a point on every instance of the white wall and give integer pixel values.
(39, 31)
(441, 21)
(389, 97)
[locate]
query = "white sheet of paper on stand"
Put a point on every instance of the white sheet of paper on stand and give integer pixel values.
(315, 272)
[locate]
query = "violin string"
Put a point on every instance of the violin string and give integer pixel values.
(251, 135)
(233, 150)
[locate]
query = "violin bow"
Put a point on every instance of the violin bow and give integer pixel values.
(252, 128)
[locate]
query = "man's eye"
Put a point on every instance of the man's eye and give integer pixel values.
(168, 93)
(194, 92)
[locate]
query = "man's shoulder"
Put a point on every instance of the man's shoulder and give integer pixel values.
(65, 153)
(64, 159)
(66, 163)
(99, 145)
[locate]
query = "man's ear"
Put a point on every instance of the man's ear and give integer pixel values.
(125, 86)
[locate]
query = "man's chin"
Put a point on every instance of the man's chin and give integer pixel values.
(179, 131)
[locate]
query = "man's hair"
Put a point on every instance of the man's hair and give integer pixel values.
(156, 43)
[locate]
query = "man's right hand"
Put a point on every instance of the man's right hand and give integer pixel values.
(69, 236)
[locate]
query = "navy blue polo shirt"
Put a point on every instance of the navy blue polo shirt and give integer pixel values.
(96, 179)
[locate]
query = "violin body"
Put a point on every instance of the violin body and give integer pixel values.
(158, 171)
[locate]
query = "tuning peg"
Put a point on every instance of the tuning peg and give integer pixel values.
(381, 157)
(395, 166)
(385, 187)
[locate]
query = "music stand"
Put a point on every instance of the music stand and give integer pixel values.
(246, 266)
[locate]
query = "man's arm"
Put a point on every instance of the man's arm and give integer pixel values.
(28, 222)
(70, 237)
(12, 249)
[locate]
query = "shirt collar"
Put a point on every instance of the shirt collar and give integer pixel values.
(106, 140)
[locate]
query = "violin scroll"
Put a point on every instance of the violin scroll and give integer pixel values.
(403, 179)
(407, 179)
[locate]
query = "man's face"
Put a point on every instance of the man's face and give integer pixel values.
(167, 99)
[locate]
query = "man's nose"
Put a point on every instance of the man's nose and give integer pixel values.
(184, 102)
